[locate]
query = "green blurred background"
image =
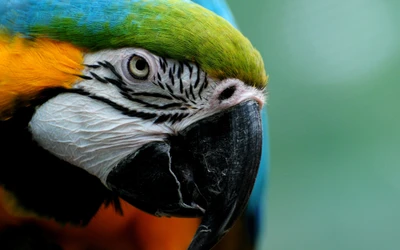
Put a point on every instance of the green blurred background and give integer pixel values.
(334, 94)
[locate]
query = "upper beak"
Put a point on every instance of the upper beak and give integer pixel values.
(208, 170)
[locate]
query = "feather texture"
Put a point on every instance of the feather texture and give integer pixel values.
(219, 7)
(28, 67)
(177, 29)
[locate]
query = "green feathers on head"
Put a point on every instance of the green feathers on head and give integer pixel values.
(176, 29)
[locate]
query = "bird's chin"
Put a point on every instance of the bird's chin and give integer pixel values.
(207, 170)
(148, 180)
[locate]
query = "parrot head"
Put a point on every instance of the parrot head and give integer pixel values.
(156, 102)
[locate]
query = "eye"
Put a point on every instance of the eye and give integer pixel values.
(138, 67)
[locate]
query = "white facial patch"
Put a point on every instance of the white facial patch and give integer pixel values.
(89, 133)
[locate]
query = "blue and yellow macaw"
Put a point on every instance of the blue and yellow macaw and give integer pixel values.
(113, 112)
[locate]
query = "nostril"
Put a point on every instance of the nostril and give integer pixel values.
(227, 93)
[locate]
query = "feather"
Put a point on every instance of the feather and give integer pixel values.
(28, 67)
(197, 35)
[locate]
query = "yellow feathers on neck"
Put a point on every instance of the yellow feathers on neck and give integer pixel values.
(29, 66)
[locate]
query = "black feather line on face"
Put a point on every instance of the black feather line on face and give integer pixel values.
(41, 182)
(150, 94)
(108, 65)
(197, 77)
(174, 75)
(183, 98)
(171, 76)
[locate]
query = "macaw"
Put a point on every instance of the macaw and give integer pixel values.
(152, 105)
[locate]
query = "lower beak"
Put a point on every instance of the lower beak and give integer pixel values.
(208, 170)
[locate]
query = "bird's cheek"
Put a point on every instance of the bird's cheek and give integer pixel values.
(87, 133)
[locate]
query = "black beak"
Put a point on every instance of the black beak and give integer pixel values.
(208, 170)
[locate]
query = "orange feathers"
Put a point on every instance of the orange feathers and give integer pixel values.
(29, 66)
(108, 230)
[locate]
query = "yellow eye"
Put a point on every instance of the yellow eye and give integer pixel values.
(138, 67)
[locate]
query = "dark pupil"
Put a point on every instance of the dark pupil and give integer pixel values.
(140, 64)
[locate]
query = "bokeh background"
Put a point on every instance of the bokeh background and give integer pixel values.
(334, 95)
